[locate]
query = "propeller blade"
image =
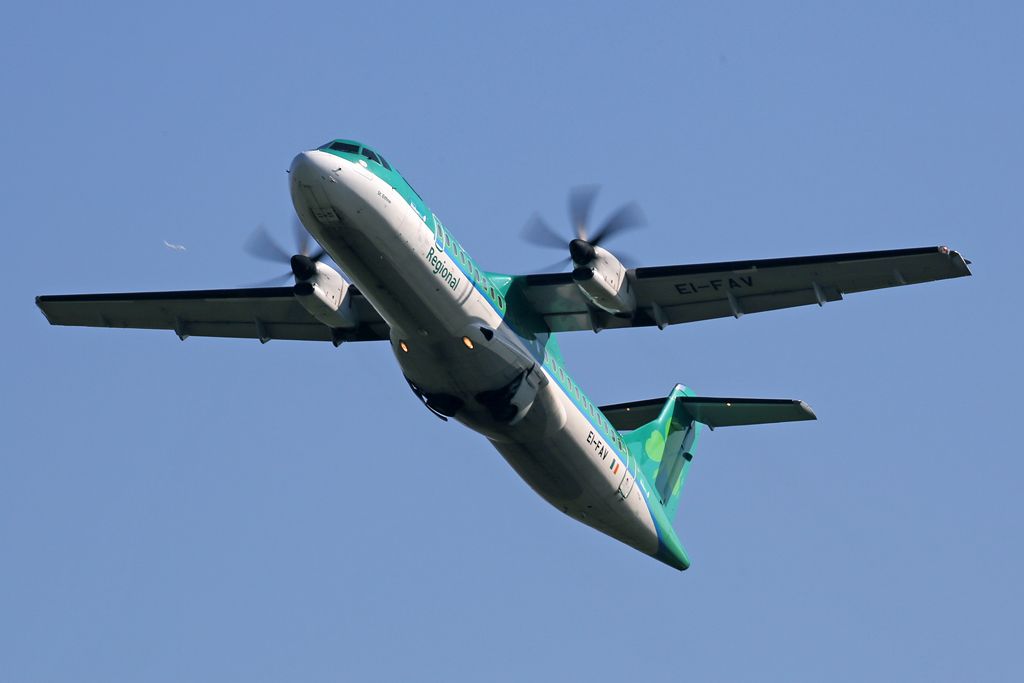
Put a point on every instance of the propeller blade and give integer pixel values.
(301, 237)
(627, 218)
(303, 241)
(537, 231)
(581, 248)
(581, 201)
(557, 266)
(273, 281)
(261, 245)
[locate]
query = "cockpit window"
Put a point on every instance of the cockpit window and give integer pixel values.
(384, 163)
(368, 153)
(346, 147)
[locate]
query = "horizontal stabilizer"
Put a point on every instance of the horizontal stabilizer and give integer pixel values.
(733, 412)
(714, 412)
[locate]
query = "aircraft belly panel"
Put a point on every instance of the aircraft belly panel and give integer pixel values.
(572, 477)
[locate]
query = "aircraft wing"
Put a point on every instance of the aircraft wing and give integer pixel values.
(263, 313)
(669, 295)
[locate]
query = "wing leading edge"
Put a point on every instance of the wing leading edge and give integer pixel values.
(670, 295)
(263, 313)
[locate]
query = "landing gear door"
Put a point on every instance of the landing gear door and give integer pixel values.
(626, 485)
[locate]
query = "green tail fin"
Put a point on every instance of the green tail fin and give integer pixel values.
(662, 433)
(664, 448)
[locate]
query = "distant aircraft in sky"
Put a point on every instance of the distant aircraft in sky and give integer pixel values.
(174, 247)
(480, 346)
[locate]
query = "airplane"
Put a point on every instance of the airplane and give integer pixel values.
(480, 347)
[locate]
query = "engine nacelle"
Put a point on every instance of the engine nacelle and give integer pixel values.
(327, 297)
(603, 280)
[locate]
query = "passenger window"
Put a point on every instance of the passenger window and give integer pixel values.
(439, 234)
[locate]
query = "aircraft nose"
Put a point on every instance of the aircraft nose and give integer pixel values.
(310, 167)
(311, 174)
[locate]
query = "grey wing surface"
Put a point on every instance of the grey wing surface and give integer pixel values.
(263, 313)
(670, 295)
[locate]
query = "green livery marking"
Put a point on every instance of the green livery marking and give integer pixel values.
(441, 270)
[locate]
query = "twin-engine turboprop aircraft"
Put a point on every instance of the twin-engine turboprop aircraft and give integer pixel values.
(479, 346)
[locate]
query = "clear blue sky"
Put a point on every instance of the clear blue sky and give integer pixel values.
(220, 510)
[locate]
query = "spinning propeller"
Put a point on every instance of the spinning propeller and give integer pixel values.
(303, 264)
(581, 246)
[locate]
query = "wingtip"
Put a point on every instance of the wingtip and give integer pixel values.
(39, 304)
(809, 411)
(960, 263)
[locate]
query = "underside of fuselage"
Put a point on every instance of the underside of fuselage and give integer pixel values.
(458, 353)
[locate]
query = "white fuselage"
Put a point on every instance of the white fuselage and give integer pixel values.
(452, 342)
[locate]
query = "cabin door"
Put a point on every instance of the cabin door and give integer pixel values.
(626, 485)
